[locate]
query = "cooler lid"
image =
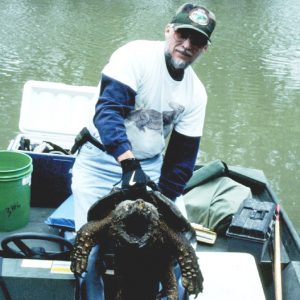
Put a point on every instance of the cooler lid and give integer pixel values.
(56, 108)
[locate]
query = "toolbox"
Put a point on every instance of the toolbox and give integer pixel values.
(251, 228)
(51, 115)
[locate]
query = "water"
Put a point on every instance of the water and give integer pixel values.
(252, 71)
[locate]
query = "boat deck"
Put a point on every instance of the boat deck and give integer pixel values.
(36, 225)
(290, 249)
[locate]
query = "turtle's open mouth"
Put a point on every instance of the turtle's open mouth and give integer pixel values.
(135, 223)
(136, 226)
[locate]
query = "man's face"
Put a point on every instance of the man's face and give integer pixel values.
(184, 46)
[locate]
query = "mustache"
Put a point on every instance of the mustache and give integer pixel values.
(185, 52)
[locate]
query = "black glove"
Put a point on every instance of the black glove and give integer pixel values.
(133, 177)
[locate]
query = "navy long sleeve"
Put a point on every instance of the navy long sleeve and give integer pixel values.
(179, 163)
(115, 101)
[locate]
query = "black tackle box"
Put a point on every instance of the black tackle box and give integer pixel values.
(251, 227)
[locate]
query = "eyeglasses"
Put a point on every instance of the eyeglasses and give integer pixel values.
(196, 39)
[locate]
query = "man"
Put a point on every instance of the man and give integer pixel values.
(148, 90)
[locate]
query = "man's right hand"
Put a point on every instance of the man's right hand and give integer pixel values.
(133, 176)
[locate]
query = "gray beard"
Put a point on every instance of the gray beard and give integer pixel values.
(176, 64)
(175, 73)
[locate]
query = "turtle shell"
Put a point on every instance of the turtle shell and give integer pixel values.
(166, 208)
(101, 208)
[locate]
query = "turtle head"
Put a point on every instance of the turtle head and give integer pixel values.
(134, 221)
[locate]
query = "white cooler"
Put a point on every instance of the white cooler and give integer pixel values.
(56, 113)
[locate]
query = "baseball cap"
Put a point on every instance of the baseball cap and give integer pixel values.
(195, 17)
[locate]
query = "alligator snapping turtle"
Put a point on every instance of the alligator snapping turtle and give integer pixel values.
(148, 235)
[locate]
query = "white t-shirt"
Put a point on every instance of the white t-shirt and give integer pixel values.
(161, 102)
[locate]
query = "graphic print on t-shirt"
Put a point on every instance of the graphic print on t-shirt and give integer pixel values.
(147, 128)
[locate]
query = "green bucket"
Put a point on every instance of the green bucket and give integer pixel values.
(15, 180)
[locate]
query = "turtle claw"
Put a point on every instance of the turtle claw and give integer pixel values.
(193, 283)
(77, 276)
(192, 278)
(78, 264)
(80, 253)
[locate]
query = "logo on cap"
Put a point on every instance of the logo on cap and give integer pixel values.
(199, 16)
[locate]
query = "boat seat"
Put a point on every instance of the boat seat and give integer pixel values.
(229, 275)
(63, 216)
